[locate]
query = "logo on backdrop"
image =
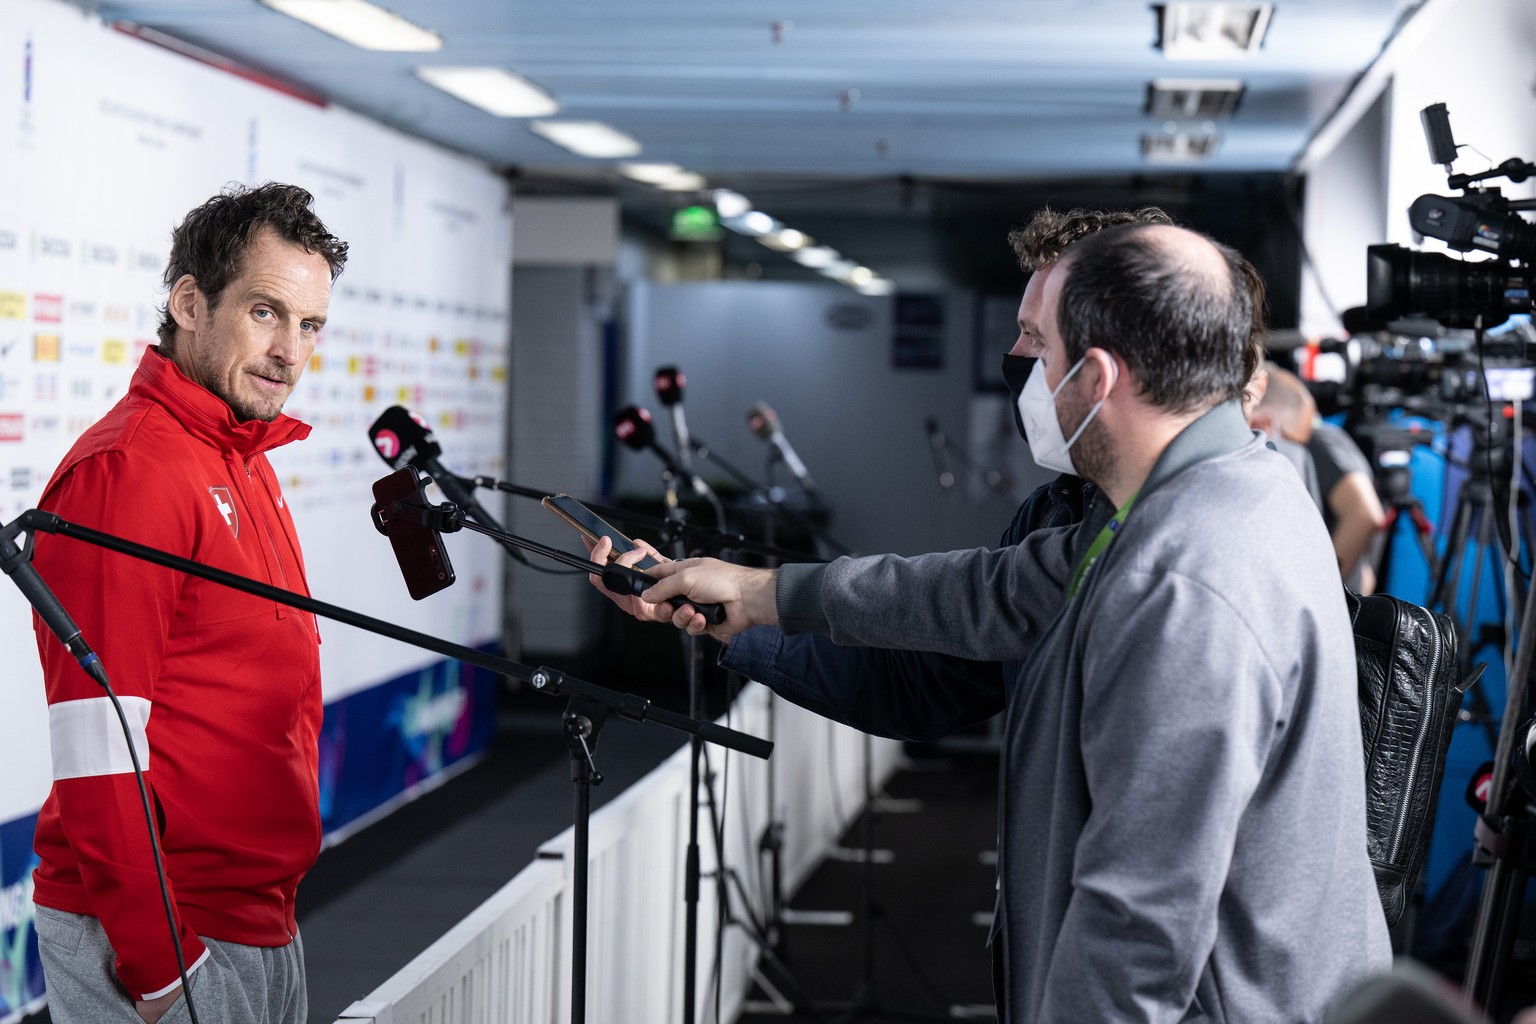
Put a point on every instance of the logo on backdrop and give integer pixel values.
(847, 316)
(225, 503)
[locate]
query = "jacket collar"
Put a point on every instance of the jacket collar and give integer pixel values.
(1220, 430)
(205, 415)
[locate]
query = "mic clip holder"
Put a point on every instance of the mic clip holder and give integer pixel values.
(444, 518)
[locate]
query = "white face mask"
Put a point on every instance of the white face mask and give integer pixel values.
(1037, 407)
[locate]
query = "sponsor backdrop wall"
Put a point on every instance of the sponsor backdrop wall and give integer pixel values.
(105, 142)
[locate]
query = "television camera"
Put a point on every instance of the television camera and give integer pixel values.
(1403, 283)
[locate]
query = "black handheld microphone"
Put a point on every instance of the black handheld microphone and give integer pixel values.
(16, 561)
(632, 425)
(402, 439)
(670, 383)
(764, 422)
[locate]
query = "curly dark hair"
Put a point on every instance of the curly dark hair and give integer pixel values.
(1039, 243)
(212, 240)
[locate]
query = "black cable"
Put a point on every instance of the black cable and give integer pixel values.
(154, 841)
(1503, 494)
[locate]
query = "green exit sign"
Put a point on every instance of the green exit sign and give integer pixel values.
(695, 224)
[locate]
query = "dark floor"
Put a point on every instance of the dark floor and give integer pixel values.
(916, 947)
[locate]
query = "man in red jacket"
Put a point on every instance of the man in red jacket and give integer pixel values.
(221, 689)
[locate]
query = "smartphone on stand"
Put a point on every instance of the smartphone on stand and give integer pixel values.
(418, 548)
(592, 526)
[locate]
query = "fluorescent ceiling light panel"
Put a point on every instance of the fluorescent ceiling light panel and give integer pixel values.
(879, 286)
(815, 257)
(650, 173)
(753, 222)
(587, 138)
(683, 181)
(361, 24)
(731, 204)
(1212, 31)
(786, 240)
(1179, 147)
(494, 90)
(671, 177)
(1185, 99)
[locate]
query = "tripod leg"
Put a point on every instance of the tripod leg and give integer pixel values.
(1447, 578)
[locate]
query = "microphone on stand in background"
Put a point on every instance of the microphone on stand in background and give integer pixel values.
(764, 422)
(940, 445)
(670, 383)
(632, 425)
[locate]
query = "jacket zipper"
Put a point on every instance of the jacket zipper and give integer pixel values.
(266, 530)
(1418, 744)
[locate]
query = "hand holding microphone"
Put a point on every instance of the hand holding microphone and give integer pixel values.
(734, 597)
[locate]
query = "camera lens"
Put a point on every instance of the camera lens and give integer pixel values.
(1401, 282)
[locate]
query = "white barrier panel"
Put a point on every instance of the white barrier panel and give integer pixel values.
(509, 962)
(501, 963)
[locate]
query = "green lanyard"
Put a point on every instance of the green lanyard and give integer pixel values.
(1100, 543)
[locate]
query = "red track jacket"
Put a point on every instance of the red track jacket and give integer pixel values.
(222, 689)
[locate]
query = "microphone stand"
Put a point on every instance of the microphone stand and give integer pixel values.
(587, 706)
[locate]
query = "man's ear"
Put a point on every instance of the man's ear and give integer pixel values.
(182, 302)
(1108, 369)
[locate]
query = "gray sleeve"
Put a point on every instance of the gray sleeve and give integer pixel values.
(985, 604)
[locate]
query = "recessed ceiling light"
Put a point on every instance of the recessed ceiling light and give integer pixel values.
(1179, 147)
(1188, 99)
(786, 240)
(815, 257)
(361, 24)
(650, 173)
(494, 90)
(671, 177)
(1211, 31)
(879, 286)
(753, 222)
(587, 138)
(683, 181)
(731, 204)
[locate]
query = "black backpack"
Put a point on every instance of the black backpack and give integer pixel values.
(1410, 694)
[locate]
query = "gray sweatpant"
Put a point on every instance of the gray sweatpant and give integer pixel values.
(235, 985)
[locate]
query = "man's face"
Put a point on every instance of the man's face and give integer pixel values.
(1049, 346)
(252, 348)
(1029, 341)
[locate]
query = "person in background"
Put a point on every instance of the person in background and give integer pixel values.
(221, 689)
(1275, 408)
(1351, 507)
(1182, 832)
